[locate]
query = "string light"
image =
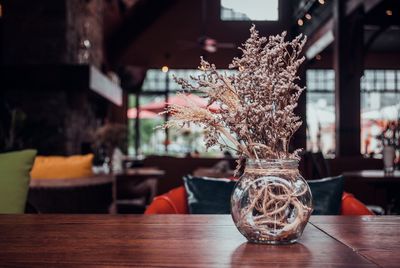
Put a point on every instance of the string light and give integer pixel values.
(300, 22)
(164, 69)
(321, 2)
(389, 12)
(308, 16)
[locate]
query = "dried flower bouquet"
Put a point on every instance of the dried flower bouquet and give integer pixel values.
(256, 104)
(256, 114)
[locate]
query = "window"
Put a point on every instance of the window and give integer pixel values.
(380, 103)
(321, 111)
(156, 80)
(152, 140)
(254, 10)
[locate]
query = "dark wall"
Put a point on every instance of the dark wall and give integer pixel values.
(51, 34)
(34, 31)
(53, 122)
(48, 31)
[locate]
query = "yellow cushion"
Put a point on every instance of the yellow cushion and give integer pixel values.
(60, 167)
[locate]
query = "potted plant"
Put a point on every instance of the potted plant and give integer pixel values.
(109, 139)
(271, 202)
(390, 138)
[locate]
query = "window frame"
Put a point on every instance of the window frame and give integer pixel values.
(241, 19)
(373, 81)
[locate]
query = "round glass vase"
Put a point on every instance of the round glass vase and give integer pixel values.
(271, 203)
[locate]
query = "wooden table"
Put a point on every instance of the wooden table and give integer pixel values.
(191, 241)
(73, 182)
(75, 195)
(374, 187)
(373, 176)
(376, 238)
(136, 188)
(141, 173)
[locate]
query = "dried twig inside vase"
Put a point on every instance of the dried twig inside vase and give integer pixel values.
(271, 203)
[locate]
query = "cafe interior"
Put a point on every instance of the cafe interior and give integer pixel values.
(89, 90)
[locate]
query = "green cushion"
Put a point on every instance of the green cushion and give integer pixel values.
(14, 180)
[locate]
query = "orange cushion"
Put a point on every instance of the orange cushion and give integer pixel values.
(60, 167)
(173, 202)
(352, 206)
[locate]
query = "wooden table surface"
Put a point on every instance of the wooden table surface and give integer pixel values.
(374, 187)
(375, 238)
(191, 241)
(136, 183)
(140, 173)
(373, 176)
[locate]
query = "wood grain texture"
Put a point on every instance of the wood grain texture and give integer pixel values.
(377, 238)
(158, 241)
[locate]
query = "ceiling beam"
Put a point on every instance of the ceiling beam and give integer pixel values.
(323, 36)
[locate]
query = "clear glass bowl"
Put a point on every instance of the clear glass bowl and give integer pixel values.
(271, 203)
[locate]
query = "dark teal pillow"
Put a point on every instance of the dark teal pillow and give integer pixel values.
(14, 180)
(327, 195)
(208, 195)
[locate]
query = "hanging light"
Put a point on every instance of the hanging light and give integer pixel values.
(208, 44)
(389, 12)
(321, 2)
(300, 22)
(308, 16)
(165, 69)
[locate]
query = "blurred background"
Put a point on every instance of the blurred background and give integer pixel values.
(91, 77)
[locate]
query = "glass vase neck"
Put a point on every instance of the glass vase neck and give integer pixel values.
(272, 163)
(271, 166)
